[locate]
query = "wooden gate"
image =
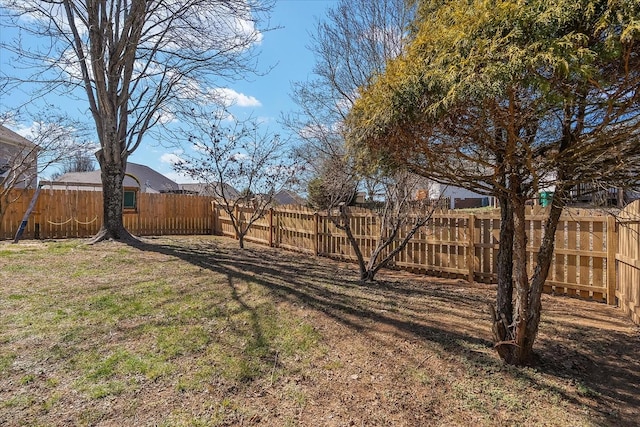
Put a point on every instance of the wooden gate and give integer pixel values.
(628, 261)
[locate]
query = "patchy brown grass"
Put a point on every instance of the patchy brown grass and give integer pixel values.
(193, 331)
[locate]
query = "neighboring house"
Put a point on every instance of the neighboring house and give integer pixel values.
(458, 198)
(591, 195)
(287, 197)
(18, 160)
(207, 190)
(139, 178)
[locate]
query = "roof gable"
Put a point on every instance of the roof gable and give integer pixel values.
(287, 197)
(8, 136)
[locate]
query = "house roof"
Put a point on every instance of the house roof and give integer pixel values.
(150, 181)
(287, 197)
(10, 137)
(206, 190)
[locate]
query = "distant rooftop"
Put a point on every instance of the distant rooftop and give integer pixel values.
(150, 181)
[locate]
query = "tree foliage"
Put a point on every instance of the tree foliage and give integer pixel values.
(507, 98)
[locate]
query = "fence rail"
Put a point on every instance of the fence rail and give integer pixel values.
(596, 256)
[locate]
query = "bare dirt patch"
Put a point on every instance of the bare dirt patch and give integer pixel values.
(194, 331)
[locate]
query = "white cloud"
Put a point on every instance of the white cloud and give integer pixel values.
(171, 158)
(239, 157)
(230, 97)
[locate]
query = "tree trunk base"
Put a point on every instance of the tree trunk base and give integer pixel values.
(505, 344)
(121, 235)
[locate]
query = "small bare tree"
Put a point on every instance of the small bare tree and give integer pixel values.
(49, 141)
(397, 210)
(240, 156)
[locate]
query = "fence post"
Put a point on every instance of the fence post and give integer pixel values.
(316, 220)
(471, 251)
(612, 248)
(214, 214)
(236, 209)
(271, 227)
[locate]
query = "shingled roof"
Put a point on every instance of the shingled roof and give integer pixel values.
(150, 180)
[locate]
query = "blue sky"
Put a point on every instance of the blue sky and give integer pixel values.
(284, 48)
(267, 97)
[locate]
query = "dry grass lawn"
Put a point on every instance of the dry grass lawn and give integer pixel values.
(192, 331)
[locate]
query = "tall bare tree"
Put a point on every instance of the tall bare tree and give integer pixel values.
(354, 41)
(136, 63)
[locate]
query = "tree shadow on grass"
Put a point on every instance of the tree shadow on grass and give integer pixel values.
(414, 312)
(588, 344)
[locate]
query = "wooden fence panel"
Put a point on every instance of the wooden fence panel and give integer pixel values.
(464, 245)
(224, 225)
(294, 228)
(10, 221)
(170, 214)
(580, 257)
(628, 261)
(78, 214)
(66, 214)
(260, 231)
(487, 232)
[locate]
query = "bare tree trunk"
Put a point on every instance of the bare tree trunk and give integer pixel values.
(518, 354)
(346, 226)
(515, 338)
(503, 313)
(541, 271)
(374, 265)
(112, 225)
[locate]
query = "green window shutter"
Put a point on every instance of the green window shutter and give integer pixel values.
(129, 199)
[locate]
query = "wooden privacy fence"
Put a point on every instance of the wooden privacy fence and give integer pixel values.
(596, 257)
(628, 261)
(466, 245)
(73, 213)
